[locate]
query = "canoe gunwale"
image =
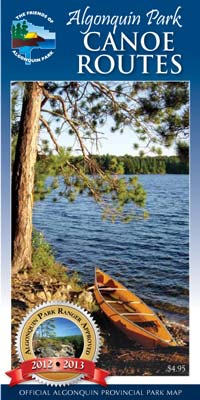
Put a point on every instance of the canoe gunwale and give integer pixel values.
(152, 335)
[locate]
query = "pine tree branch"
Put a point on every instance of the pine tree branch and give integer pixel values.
(45, 123)
(69, 120)
(70, 165)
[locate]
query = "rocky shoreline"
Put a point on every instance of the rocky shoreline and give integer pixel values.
(119, 355)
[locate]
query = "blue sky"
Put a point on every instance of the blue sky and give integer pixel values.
(65, 327)
(117, 143)
(45, 33)
(114, 143)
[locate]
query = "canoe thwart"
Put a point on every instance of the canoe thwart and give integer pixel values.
(109, 288)
(134, 313)
(122, 302)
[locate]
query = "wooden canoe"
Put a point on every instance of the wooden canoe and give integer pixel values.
(129, 313)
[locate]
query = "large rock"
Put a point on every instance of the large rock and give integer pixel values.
(66, 350)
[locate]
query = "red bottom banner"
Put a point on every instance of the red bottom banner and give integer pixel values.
(56, 364)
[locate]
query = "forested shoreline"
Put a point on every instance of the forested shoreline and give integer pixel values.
(129, 165)
(52, 121)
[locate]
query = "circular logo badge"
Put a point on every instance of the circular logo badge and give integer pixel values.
(59, 339)
(33, 39)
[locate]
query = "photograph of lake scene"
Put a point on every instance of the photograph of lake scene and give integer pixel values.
(58, 337)
(100, 217)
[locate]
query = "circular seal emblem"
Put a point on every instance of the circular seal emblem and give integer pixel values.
(60, 341)
(33, 39)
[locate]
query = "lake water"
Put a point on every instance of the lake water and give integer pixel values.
(27, 50)
(150, 257)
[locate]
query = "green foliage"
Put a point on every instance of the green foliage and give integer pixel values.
(13, 31)
(142, 165)
(43, 261)
(108, 185)
(183, 152)
(77, 341)
(157, 112)
(115, 166)
(19, 30)
(24, 28)
(46, 329)
(44, 264)
(47, 342)
(49, 165)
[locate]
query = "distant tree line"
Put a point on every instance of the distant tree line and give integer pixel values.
(128, 164)
(76, 340)
(19, 30)
(157, 113)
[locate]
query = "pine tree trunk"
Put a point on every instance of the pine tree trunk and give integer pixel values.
(23, 177)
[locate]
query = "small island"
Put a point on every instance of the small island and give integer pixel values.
(27, 41)
(22, 37)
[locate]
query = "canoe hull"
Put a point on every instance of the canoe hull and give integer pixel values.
(147, 338)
